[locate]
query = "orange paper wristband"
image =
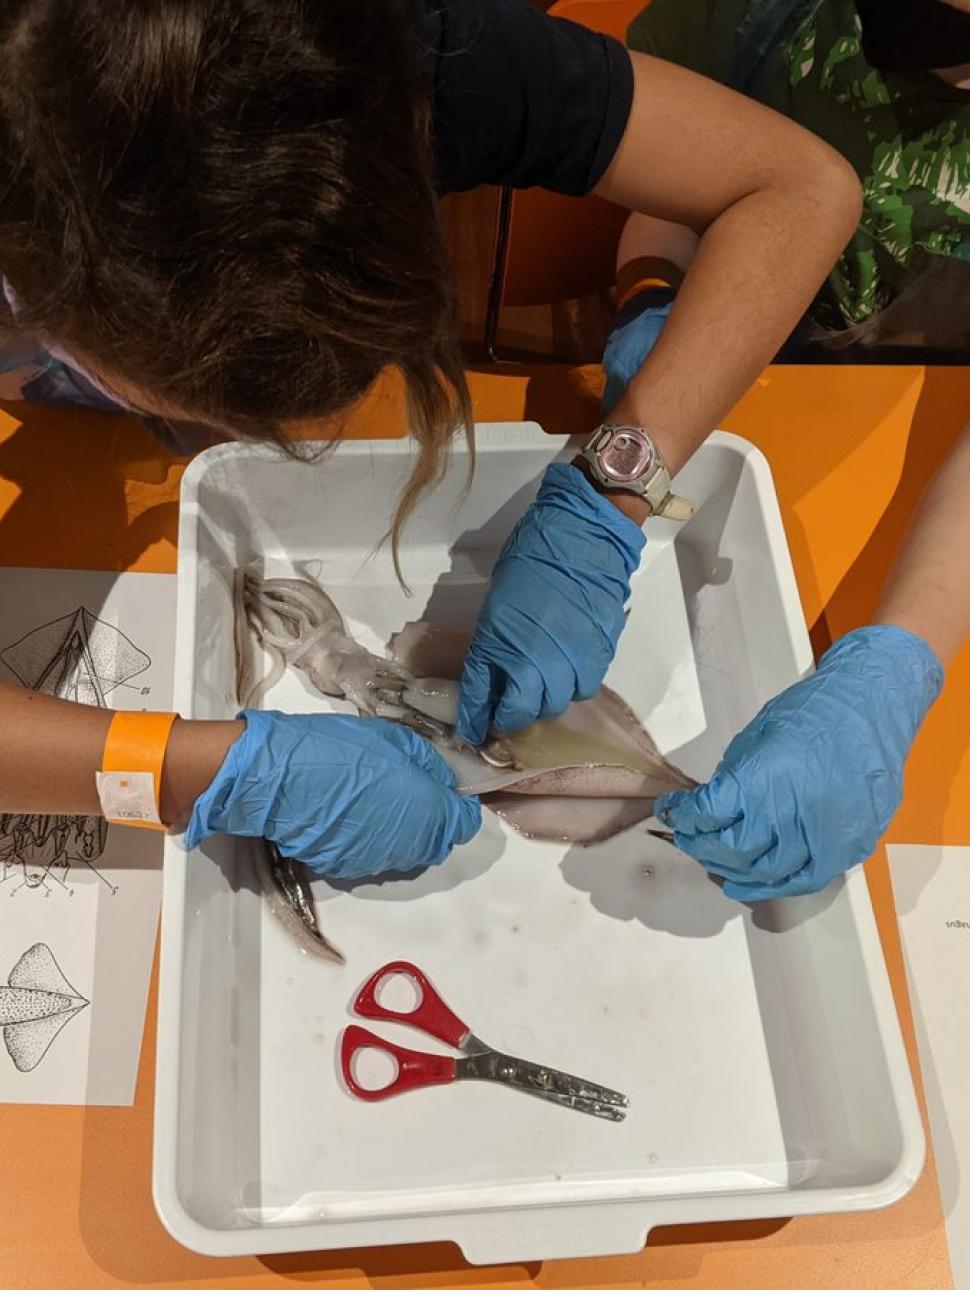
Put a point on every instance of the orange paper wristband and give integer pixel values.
(133, 748)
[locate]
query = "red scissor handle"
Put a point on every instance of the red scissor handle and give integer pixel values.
(414, 1070)
(430, 1014)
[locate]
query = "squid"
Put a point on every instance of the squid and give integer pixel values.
(578, 779)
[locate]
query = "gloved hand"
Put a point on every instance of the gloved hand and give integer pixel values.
(808, 788)
(635, 332)
(349, 796)
(549, 626)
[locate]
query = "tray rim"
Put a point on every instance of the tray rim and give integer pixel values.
(545, 1230)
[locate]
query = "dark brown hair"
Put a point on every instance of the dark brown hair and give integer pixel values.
(230, 204)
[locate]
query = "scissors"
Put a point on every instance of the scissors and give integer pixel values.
(478, 1061)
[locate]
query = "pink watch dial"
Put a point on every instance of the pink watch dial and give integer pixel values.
(625, 456)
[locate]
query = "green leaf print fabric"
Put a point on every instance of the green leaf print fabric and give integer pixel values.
(906, 134)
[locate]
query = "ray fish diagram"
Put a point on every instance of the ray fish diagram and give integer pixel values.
(81, 658)
(35, 1005)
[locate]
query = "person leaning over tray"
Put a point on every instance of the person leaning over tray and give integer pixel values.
(225, 214)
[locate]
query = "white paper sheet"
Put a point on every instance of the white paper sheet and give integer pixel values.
(932, 890)
(87, 895)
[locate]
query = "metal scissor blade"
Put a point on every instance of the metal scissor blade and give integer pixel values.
(546, 1082)
(601, 1110)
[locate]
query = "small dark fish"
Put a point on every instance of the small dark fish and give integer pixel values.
(292, 903)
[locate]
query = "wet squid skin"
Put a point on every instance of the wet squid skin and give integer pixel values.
(298, 625)
(580, 779)
(597, 752)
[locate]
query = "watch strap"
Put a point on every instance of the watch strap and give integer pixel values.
(675, 508)
(655, 491)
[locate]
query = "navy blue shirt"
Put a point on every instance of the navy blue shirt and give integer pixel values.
(519, 98)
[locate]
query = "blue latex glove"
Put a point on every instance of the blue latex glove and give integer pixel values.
(636, 331)
(549, 626)
(349, 796)
(809, 787)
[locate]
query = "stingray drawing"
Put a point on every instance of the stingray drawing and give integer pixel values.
(35, 1005)
(76, 657)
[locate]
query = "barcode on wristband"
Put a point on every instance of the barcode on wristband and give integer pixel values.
(127, 797)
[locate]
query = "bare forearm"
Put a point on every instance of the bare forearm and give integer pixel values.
(928, 592)
(646, 241)
(50, 751)
(774, 206)
(196, 750)
(732, 315)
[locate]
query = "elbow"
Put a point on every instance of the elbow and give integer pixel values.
(834, 193)
(845, 194)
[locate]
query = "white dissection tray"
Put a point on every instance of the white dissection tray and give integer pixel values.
(759, 1047)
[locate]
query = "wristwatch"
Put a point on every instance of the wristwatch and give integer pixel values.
(626, 459)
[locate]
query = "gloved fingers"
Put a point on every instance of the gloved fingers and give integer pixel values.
(476, 699)
(705, 809)
(372, 732)
(376, 735)
(416, 823)
(352, 865)
(425, 756)
(521, 699)
(802, 883)
(590, 675)
(557, 678)
(460, 820)
(786, 868)
(756, 849)
(717, 852)
(425, 819)
(197, 830)
(667, 807)
(431, 824)
(469, 819)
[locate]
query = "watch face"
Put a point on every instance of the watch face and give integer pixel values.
(626, 457)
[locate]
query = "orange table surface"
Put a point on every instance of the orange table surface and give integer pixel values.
(851, 450)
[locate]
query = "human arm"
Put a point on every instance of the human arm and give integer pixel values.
(928, 591)
(809, 787)
(50, 750)
(346, 795)
(773, 206)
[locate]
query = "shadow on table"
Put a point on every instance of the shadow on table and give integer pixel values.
(95, 490)
(424, 1261)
